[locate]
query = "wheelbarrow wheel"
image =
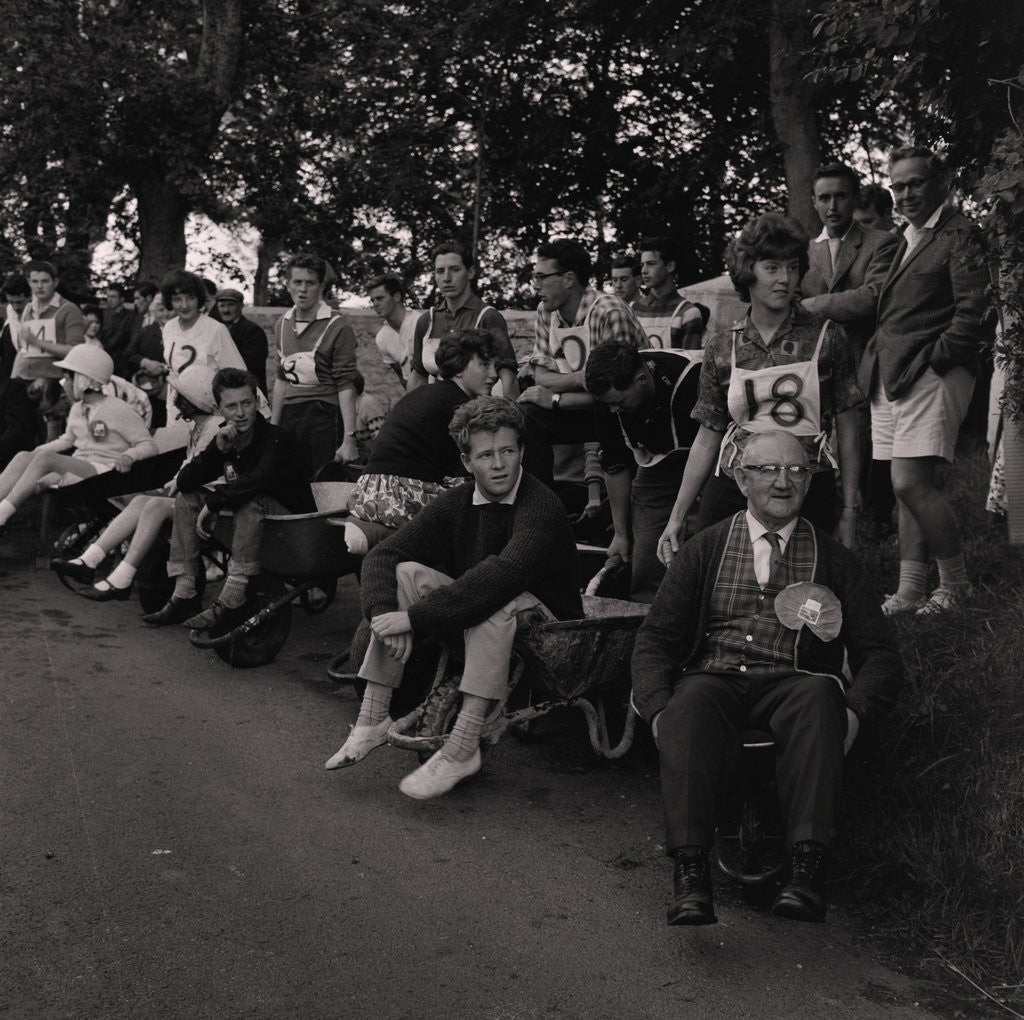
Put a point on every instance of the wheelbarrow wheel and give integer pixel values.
(442, 709)
(260, 645)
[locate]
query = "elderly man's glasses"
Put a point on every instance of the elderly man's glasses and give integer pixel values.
(914, 184)
(795, 471)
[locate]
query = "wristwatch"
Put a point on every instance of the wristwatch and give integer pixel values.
(556, 399)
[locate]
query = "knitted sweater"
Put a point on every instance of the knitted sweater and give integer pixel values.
(670, 639)
(495, 552)
(101, 430)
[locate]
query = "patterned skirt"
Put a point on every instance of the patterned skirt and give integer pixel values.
(392, 500)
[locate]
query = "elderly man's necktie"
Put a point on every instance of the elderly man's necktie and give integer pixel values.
(775, 560)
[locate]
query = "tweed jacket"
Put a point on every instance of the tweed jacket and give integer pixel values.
(849, 296)
(670, 640)
(933, 309)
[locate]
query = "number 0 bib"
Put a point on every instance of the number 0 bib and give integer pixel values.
(570, 345)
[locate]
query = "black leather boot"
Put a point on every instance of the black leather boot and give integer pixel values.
(803, 896)
(692, 902)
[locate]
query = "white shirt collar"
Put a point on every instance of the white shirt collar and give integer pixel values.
(323, 311)
(38, 309)
(479, 498)
(913, 234)
(823, 236)
(758, 530)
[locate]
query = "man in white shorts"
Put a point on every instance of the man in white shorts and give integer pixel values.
(920, 369)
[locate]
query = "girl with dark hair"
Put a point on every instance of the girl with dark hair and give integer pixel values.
(778, 368)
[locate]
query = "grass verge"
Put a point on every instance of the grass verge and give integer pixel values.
(932, 851)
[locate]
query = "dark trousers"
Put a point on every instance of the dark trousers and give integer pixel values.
(545, 428)
(653, 493)
(721, 498)
(318, 426)
(698, 740)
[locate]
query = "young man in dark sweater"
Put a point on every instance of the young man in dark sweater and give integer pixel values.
(749, 628)
(468, 563)
(265, 471)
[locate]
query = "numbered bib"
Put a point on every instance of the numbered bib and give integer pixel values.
(300, 369)
(41, 329)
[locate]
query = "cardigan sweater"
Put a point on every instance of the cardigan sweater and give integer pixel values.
(671, 638)
(494, 551)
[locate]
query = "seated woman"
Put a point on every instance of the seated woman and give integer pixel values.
(103, 434)
(414, 458)
(779, 368)
(142, 519)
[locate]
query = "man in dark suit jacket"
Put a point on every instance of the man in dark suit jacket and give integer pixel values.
(20, 424)
(845, 287)
(920, 369)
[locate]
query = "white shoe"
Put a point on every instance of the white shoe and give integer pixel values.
(361, 741)
(896, 604)
(438, 775)
(944, 600)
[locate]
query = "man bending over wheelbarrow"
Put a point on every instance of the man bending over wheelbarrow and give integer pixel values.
(749, 628)
(265, 471)
(467, 564)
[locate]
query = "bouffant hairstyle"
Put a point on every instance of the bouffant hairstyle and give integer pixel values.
(456, 350)
(485, 414)
(178, 281)
(769, 236)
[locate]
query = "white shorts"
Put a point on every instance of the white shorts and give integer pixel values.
(924, 422)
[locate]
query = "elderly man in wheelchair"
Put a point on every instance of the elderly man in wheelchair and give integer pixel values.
(749, 628)
(467, 564)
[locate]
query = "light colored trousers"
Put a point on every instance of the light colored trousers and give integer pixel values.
(488, 644)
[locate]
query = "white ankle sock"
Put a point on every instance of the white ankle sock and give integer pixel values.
(913, 580)
(93, 556)
(185, 587)
(375, 704)
(232, 594)
(953, 573)
(121, 576)
(7, 510)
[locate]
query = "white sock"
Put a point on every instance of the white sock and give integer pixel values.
(375, 704)
(913, 580)
(185, 587)
(355, 539)
(953, 573)
(7, 510)
(93, 556)
(464, 739)
(121, 576)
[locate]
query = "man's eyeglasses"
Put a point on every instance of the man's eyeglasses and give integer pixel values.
(914, 184)
(795, 471)
(540, 277)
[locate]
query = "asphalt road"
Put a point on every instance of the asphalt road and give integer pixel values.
(172, 847)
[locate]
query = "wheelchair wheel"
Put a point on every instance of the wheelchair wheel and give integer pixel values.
(260, 645)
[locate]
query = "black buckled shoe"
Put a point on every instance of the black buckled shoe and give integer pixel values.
(803, 897)
(108, 594)
(76, 571)
(692, 901)
(175, 611)
(220, 616)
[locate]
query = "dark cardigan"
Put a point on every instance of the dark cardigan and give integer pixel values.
(671, 636)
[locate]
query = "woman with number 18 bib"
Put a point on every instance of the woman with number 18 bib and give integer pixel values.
(779, 368)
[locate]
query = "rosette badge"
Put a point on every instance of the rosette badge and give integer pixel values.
(811, 605)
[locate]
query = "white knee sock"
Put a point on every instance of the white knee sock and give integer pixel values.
(7, 510)
(355, 539)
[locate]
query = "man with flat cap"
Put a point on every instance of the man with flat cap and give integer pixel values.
(249, 337)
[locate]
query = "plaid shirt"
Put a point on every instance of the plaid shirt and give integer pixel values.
(794, 342)
(744, 634)
(613, 319)
(687, 322)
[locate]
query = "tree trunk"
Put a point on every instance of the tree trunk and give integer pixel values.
(162, 215)
(266, 254)
(791, 96)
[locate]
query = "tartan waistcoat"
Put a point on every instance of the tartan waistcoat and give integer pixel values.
(744, 634)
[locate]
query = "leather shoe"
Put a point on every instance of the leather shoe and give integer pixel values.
(438, 775)
(803, 897)
(108, 594)
(76, 571)
(174, 611)
(218, 615)
(692, 900)
(361, 741)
